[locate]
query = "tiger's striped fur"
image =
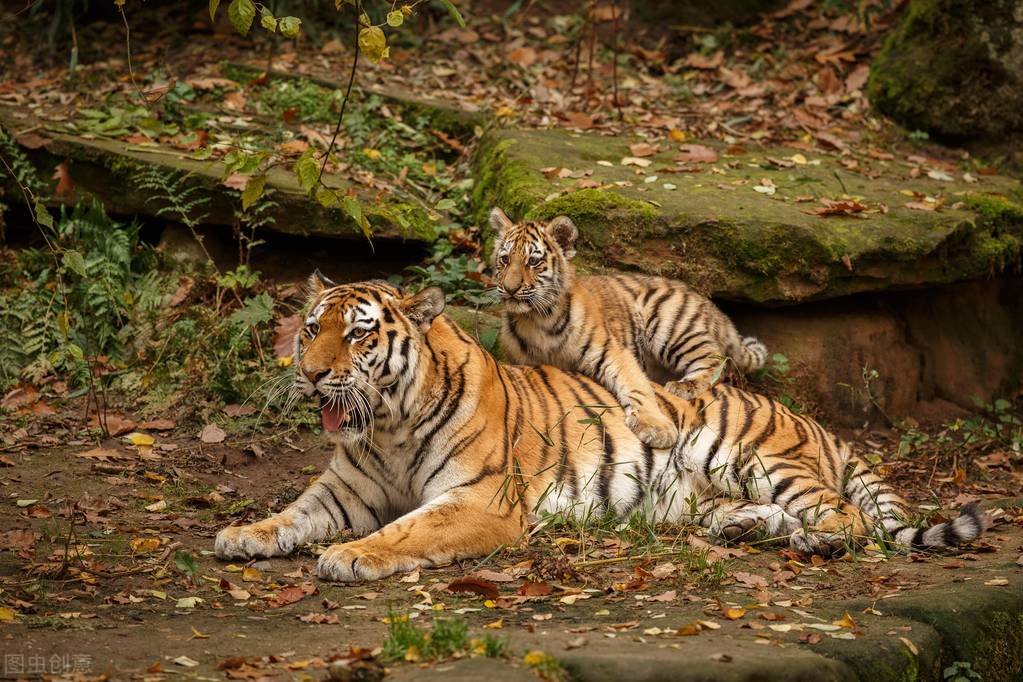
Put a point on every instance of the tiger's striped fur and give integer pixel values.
(442, 453)
(619, 329)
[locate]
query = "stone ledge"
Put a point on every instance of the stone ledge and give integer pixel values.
(714, 231)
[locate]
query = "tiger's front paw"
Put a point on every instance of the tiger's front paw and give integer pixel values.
(687, 389)
(275, 536)
(653, 428)
(353, 561)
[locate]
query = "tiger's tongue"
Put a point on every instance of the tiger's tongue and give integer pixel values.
(332, 417)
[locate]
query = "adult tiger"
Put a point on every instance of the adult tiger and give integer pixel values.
(442, 453)
(619, 329)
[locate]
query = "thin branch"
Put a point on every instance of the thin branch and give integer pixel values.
(614, 50)
(131, 70)
(348, 92)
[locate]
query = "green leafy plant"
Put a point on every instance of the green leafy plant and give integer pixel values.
(446, 638)
(960, 671)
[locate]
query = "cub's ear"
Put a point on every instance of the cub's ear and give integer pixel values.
(499, 221)
(318, 283)
(423, 307)
(564, 232)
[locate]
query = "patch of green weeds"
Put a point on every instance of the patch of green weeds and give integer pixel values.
(546, 666)
(446, 638)
(995, 426)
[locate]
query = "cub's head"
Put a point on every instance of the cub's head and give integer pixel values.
(530, 261)
(359, 347)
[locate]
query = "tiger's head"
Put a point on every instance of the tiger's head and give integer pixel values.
(359, 349)
(530, 261)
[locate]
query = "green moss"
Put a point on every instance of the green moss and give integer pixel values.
(995, 208)
(511, 183)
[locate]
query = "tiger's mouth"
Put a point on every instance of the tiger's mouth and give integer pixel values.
(335, 417)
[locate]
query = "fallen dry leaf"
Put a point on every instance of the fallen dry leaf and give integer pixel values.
(291, 594)
(320, 618)
(696, 153)
(103, 454)
(643, 149)
(116, 424)
(475, 585)
(161, 424)
(239, 410)
(838, 208)
(20, 396)
(211, 433)
(535, 589)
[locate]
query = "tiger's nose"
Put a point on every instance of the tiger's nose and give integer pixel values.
(314, 375)
(511, 287)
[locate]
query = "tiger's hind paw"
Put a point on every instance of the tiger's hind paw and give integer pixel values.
(653, 428)
(687, 389)
(827, 545)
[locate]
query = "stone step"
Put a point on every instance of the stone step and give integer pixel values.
(742, 227)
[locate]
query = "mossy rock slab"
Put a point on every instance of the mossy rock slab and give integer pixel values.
(713, 228)
(108, 170)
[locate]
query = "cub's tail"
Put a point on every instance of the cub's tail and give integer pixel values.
(874, 496)
(750, 355)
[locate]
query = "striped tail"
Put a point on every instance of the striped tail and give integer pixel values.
(750, 355)
(876, 498)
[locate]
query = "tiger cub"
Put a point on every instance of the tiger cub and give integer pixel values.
(618, 329)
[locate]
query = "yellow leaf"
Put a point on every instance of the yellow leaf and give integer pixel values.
(373, 43)
(137, 438)
(251, 575)
(412, 654)
(372, 154)
(798, 159)
(395, 18)
(845, 621)
(677, 135)
(490, 603)
(285, 361)
(199, 635)
(144, 545)
(496, 625)
(6, 615)
(734, 613)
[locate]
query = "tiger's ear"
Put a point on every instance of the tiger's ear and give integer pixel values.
(423, 307)
(318, 283)
(563, 231)
(499, 221)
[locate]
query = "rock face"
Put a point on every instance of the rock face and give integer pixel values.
(742, 228)
(954, 68)
(925, 353)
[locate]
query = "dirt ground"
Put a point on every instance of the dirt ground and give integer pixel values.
(106, 569)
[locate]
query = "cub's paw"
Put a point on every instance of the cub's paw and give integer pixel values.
(737, 529)
(266, 538)
(653, 428)
(687, 389)
(351, 562)
(827, 545)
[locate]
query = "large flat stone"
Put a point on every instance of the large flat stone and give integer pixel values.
(107, 168)
(716, 232)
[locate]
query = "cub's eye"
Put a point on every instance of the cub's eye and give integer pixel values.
(503, 259)
(313, 328)
(357, 334)
(534, 261)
